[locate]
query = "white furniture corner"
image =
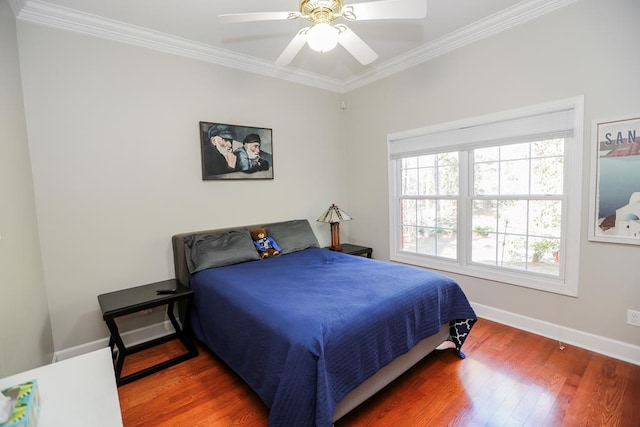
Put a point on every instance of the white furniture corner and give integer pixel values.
(80, 391)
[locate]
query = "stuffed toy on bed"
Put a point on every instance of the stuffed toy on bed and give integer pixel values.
(265, 244)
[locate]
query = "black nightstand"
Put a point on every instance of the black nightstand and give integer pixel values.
(350, 249)
(127, 301)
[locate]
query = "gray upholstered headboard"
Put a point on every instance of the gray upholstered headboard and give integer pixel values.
(298, 238)
(179, 260)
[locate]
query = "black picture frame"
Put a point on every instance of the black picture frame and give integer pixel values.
(229, 151)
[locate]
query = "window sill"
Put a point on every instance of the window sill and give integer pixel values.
(535, 281)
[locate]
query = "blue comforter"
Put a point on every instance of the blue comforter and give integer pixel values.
(304, 329)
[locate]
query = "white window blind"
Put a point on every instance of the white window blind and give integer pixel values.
(524, 125)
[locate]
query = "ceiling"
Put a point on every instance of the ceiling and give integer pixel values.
(191, 28)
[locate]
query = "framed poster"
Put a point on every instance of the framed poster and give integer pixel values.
(615, 183)
(235, 152)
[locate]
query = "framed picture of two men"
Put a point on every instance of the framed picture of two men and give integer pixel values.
(235, 152)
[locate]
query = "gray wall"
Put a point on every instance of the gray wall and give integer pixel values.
(115, 152)
(588, 48)
(25, 328)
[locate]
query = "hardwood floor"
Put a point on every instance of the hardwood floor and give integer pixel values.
(509, 378)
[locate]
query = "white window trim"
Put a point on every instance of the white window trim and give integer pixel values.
(409, 141)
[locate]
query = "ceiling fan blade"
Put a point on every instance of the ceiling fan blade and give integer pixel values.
(293, 48)
(386, 9)
(232, 18)
(355, 46)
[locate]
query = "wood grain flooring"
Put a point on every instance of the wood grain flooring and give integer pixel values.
(509, 378)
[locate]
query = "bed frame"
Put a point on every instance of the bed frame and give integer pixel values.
(365, 390)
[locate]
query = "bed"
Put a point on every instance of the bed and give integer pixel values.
(313, 332)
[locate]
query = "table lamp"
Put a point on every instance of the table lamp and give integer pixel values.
(334, 216)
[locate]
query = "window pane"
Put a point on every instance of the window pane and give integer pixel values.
(448, 179)
(409, 182)
(513, 253)
(485, 178)
(447, 214)
(500, 250)
(512, 217)
(484, 248)
(544, 256)
(430, 175)
(408, 239)
(409, 162)
(484, 218)
(552, 147)
(447, 244)
(514, 151)
(427, 213)
(427, 181)
(448, 159)
(484, 215)
(429, 227)
(426, 241)
(489, 154)
(545, 218)
(408, 214)
(514, 177)
(528, 168)
(446, 235)
(547, 175)
(426, 161)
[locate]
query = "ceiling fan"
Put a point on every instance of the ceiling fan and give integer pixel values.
(323, 35)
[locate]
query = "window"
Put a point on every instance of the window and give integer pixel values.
(496, 197)
(429, 204)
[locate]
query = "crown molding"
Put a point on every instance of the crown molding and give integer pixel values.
(17, 5)
(496, 23)
(48, 14)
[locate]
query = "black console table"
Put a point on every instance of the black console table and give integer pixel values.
(132, 300)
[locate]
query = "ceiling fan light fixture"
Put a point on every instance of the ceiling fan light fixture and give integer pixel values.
(322, 37)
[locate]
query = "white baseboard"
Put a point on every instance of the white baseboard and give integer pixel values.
(130, 338)
(616, 349)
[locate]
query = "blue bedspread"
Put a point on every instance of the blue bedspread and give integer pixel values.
(304, 329)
